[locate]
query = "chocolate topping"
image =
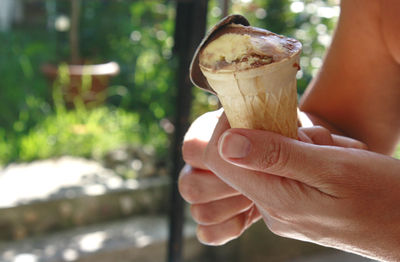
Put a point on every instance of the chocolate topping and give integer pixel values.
(238, 24)
(260, 46)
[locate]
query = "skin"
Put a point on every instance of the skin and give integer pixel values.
(361, 98)
(324, 188)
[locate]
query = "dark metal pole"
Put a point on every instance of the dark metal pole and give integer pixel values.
(225, 7)
(190, 24)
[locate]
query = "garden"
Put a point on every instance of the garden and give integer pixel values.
(120, 109)
(137, 109)
(38, 121)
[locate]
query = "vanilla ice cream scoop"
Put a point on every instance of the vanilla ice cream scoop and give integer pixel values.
(238, 47)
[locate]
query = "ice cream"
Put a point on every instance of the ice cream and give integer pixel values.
(238, 47)
(253, 73)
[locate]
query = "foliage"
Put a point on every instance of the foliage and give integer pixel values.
(31, 128)
(83, 133)
(149, 49)
(23, 89)
(139, 36)
(79, 132)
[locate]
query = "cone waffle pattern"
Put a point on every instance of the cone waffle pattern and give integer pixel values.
(266, 111)
(262, 98)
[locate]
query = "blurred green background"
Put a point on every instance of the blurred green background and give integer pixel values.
(139, 106)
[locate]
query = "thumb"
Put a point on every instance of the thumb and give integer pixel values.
(274, 154)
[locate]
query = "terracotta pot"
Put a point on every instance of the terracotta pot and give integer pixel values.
(95, 77)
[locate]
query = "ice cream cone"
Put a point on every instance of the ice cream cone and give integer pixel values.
(261, 98)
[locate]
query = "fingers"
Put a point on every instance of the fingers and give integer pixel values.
(269, 154)
(221, 211)
(319, 167)
(266, 152)
(348, 142)
(192, 153)
(197, 137)
(225, 231)
(322, 136)
(200, 186)
(220, 128)
(218, 211)
(222, 233)
(317, 134)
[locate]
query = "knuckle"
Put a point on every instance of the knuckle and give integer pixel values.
(322, 136)
(208, 159)
(321, 130)
(319, 135)
(189, 191)
(190, 151)
(272, 157)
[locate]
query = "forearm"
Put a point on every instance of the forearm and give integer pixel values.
(356, 91)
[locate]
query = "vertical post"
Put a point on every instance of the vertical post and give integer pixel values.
(74, 31)
(224, 7)
(190, 24)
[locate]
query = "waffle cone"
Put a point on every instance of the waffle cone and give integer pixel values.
(262, 98)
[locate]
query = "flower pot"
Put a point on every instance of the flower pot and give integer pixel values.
(81, 83)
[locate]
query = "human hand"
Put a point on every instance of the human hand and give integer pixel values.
(340, 197)
(219, 209)
(222, 212)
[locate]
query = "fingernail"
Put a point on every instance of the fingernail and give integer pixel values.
(234, 146)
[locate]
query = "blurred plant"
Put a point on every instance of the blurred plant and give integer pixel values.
(23, 89)
(139, 36)
(80, 133)
(72, 35)
(6, 149)
(144, 50)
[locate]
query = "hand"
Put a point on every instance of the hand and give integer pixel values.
(219, 209)
(339, 197)
(222, 212)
